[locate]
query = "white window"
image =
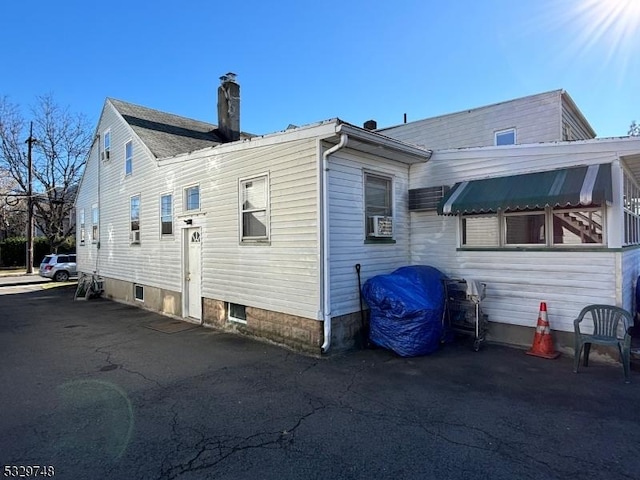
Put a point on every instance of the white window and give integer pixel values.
(506, 137)
(576, 227)
(138, 293)
(135, 220)
(544, 228)
(95, 220)
(82, 227)
(254, 208)
(525, 229)
(192, 198)
(166, 214)
(481, 231)
(106, 147)
(128, 158)
(378, 209)
(631, 204)
(237, 313)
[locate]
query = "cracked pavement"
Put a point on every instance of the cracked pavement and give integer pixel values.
(88, 389)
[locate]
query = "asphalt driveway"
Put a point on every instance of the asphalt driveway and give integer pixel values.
(98, 389)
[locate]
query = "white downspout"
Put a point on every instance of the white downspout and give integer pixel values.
(326, 283)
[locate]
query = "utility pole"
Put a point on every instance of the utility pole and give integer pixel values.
(30, 141)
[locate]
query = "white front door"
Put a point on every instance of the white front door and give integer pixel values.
(192, 274)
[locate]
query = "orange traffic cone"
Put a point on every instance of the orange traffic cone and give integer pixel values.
(542, 342)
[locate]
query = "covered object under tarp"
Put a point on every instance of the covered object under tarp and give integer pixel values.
(406, 309)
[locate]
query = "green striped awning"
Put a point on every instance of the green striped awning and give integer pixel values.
(567, 187)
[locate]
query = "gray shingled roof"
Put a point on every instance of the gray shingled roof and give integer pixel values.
(165, 134)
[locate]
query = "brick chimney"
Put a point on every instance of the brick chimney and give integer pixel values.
(229, 108)
(370, 125)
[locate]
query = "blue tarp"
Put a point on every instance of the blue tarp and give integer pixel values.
(406, 309)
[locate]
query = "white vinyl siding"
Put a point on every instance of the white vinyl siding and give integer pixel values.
(281, 275)
(573, 125)
(517, 281)
(347, 226)
(629, 260)
(117, 259)
(536, 118)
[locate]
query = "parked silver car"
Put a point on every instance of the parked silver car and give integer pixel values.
(58, 266)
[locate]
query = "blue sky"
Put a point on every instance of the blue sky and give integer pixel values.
(302, 61)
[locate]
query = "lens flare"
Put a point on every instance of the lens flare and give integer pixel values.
(610, 26)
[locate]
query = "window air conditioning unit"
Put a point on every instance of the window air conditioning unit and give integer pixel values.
(105, 155)
(135, 236)
(380, 226)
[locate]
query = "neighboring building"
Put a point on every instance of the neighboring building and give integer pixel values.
(546, 117)
(258, 234)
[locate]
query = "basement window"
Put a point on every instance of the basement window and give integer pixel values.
(139, 293)
(237, 313)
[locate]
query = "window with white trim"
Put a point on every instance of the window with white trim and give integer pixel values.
(192, 198)
(545, 228)
(237, 313)
(82, 226)
(138, 293)
(525, 228)
(128, 158)
(506, 137)
(166, 214)
(254, 208)
(378, 206)
(106, 146)
(631, 206)
(95, 220)
(134, 230)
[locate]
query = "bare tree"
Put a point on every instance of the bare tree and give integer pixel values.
(13, 210)
(634, 129)
(63, 140)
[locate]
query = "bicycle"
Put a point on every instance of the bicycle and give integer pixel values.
(89, 286)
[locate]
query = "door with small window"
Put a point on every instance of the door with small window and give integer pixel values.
(192, 273)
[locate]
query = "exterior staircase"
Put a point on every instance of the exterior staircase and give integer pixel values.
(585, 225)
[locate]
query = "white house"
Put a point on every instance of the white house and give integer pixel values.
(535, 207)
(258, 234)
(261, 234)
(544, 117)
(555, 222)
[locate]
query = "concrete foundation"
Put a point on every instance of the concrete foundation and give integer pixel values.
(307, 335)
(156, 299)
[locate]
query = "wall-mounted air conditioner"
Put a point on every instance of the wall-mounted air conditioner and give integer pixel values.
(380, 226)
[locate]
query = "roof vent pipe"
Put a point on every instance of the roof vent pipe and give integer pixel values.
(229, 107)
